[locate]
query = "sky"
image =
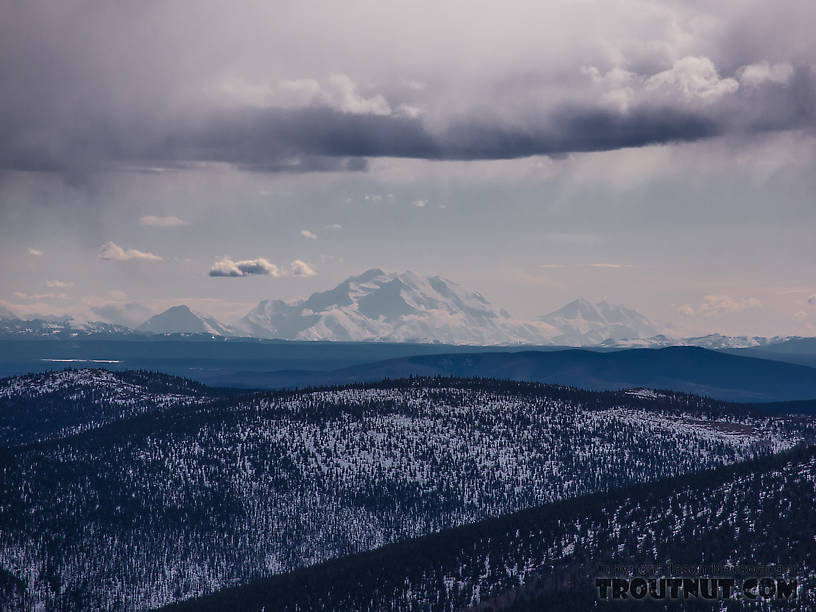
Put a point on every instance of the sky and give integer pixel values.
(659, 155)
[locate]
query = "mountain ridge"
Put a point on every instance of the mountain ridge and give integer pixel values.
(392, 307)
(403, 307)
(684, 369)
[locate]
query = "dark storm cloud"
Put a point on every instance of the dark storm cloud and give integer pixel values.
(326, 139)
(323, 139)
(575, 131)
(90, 86)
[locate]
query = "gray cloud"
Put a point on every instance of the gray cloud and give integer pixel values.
(325, 139)
(111, 251)
(154, 221)
(129, 314)
(715, 305)
(301, 269)
(226, 267)
(89, 93)
(41, 296)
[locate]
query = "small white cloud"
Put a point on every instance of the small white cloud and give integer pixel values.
(342, 91)
(714, 305)
(414, 85)
(686, 309)
(298, 92)
(339, 92)
(412, 111)
(694, 78)
(308, 234)
(301, 269)
(800, 316)
(610, 266)
(602, 266)
(58, 284)
(111, 251)
(420, 203)
(618, 86)
(35, 252)
(754, 75)
(226, 267)
(334, 226)
(41, 296)
(153, 221)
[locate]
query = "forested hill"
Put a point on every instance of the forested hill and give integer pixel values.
(55, 404)
(180, 500)
(546, 558)
(681, 368)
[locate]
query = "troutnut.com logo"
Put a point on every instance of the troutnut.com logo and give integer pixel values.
(673, 582)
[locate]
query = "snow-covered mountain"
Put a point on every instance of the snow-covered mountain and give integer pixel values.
(181, 320)
(582, 323)
(396, 307)
(62, 329)
(718, 341)
(710, 341)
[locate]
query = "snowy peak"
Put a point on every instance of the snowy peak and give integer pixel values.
(581, 323)
(397, 307)
(181, 320)
(579, 309)
(718, 341)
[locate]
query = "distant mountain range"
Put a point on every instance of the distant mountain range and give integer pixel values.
(401, 307)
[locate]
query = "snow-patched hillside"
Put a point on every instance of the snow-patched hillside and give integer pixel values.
(743, 516)
(397, 307)
(175, 504)
(52, 405)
